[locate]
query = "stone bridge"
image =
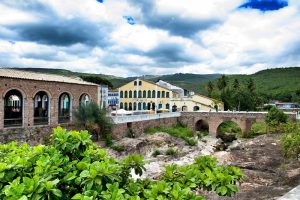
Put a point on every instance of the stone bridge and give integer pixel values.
(211, 121)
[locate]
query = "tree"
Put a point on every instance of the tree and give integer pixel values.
(251, 86)
(222, 83)
(93, 119)
(209, 88)
(236, 84)
(276, 117)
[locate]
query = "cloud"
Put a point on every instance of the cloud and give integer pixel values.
(265, 5)
(189, 36)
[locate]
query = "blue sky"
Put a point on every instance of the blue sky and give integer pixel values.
(134, 37)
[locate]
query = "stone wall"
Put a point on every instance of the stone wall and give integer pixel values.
(29, 88)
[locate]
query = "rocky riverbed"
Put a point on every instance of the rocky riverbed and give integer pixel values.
(269, 174)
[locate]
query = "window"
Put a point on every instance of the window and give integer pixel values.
(121, 105)
(135, 83)
(64, 108)
(160, 106)
(121, 94)
(149, 94)
(130, 106)
(139, 106)
(153, 106)
(84, 99)
(168, 94)
(134, 106)
(140, 82)
(41, 109)
(130, 94)
(158, 94)
(13, 109)
(140, 94)
(144, 94)
(174, 108)
(126, 94)
(144, 106)
(134, 94)
(163, 94)
(126, 106)
(153, 94)
(168, 106)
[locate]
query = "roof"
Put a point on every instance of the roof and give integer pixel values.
(20, 74)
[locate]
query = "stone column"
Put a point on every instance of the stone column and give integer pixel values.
(1, 113)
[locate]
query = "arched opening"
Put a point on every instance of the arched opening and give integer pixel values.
(158, 94)
(125, 106)
(130, 94)
(134, 94)
(134, 106)
(160, 106)
(64, 108)
(153, 94)
(41, 108)
(84, 99)
(153, 106)
(196, 108)
(184, 108)
(13, 109)
(168, 106)
(130, 106)
(174, 108)
(140, 94)
(121, 94)
(144, 94)
(149, 94)
(121, 106)
(126, 94)
(228, 131)
(139, 106)
(149, 106)
(202, 126)
(144, 106)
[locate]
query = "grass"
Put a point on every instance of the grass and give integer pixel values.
(178, 130)
(156, 152)
(258, 128)
(171, 152)
(118, 148)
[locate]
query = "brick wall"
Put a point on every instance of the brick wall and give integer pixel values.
(29, 88)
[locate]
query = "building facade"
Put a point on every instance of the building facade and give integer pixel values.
(113, 99)
(34, 99)
(139, 95)
(103, 96)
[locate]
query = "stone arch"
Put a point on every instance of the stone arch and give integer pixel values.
(41, 108)
(84, 99)
(64, 107)
(219, 127)
(202, 125)
(24, 95)
(184, 108)
(13, 108)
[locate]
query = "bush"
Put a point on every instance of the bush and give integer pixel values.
(201, 134)
(73, 168)
(258, 128)
(150, 130)
(156, 152)
(290, 141)
(228, 131)
(275, 117)
(171, 152)
(118, 148)
(130, 133)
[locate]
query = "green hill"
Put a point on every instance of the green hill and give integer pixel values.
(274, 84)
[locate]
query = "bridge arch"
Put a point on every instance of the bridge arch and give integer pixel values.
(202, 125)
(232, 127)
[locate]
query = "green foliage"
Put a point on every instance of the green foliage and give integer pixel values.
(258, 128)
(201, 134)
(118, 148)
(96, 79)
(172, 152)
(290, 141)
(73, 168)
(93, 119)
(275, 117)
(156, 152)
(179, 130)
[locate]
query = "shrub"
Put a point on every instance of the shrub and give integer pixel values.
(191, 141)
(275, 117)
(150, 130)
(73, 168)
(171, 152)
(258, 128)
(130, 133)
(201, 134)
(156, 152)
(228, 131)
(118, 148)
(290, 141)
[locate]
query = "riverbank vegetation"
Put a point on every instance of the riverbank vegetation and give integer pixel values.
(72, 167)
(178, 130)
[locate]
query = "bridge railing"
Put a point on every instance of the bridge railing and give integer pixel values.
(137, 118)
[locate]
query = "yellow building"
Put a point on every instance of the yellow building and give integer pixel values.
(196, 103)
(145, 95)
(139, 95)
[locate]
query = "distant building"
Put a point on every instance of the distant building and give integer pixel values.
(36, 99)
(103, 96)
(286, 106)
(113, 99)
(162, 96)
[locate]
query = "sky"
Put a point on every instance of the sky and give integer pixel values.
(134, 37)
